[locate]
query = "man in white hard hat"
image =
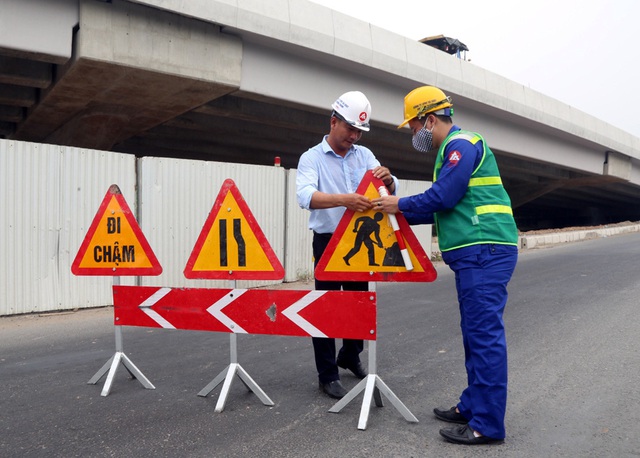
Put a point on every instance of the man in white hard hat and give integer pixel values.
(327, 179)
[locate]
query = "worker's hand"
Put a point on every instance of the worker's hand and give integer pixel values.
(357, 202)
(383, 173)
(388, 204)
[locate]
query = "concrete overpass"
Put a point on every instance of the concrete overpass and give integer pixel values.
(247, 80)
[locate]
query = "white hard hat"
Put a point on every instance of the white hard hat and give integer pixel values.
(353, 108)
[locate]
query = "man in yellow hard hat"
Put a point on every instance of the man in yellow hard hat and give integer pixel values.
(478, 238)
(327, 178)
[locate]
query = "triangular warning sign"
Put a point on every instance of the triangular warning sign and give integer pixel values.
(365, 247)
(231, 245)
(114, 244)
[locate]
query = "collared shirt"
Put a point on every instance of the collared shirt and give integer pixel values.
(320, 169)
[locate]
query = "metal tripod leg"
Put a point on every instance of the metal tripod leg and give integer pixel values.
(112, 366)
(372, 386)
(227, 375)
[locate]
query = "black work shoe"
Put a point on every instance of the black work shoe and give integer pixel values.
(450, 415)
(357, 369)
(334, 389)
(464, 435)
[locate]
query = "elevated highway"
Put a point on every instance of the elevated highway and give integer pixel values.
(246, 81)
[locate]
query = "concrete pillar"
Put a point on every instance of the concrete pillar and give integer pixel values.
(617, 165)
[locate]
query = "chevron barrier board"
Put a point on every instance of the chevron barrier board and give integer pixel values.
(304, 313)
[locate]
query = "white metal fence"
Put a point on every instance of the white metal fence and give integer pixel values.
(51, 194)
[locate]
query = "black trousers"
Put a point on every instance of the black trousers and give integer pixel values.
(325, 348)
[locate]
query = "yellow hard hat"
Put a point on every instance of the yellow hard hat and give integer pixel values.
(424, 100)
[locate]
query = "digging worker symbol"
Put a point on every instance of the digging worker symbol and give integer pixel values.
(364, 227)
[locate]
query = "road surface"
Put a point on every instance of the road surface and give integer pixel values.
(573, 327)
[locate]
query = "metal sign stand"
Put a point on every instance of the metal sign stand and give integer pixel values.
(227, 375)
(119, 357)
(372, 384)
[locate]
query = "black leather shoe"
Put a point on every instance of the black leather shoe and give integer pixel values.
(464, 435)
(334, 389)
(450, 415)
(357, 369)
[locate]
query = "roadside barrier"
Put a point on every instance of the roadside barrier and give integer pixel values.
(340, 314)
(231, 247)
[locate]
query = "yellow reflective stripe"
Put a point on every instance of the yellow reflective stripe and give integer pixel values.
(467, 137)
(485, 181)
(472, 138)
(493, 209)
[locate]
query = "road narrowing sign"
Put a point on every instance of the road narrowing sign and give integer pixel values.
(364, 246)
(231, 244)
(114, 244)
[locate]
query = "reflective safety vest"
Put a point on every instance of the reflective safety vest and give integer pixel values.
(484, 213)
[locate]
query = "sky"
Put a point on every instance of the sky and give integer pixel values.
(581, 52)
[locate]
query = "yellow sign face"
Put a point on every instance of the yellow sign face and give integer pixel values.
(230, 243)
(369, 244)
(114, 244)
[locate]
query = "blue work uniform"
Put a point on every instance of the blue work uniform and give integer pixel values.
(478, 239)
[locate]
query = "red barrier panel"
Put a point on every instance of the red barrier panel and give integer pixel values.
(338, 314)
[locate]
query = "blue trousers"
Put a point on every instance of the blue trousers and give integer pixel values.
(481, 283)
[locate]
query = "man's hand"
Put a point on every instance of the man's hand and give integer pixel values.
(383, 173)
(388, 204)
(357, 202)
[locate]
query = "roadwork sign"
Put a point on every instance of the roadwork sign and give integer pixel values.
(114, 244)
(365, 247)
(231, 245)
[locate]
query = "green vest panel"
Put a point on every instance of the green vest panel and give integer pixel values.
(484, 213)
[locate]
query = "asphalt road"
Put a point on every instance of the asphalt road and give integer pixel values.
(573, 327)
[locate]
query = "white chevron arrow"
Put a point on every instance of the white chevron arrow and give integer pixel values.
(150, 302)
(215, 309)
(292, 312)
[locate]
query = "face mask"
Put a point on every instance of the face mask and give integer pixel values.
(423, 139)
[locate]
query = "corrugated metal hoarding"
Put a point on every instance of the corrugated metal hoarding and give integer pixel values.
(299, 255)
(50, 195)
